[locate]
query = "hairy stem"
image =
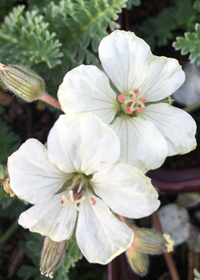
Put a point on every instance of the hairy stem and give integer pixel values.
(51, 101)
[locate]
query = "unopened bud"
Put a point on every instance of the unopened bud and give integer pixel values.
(22, 81)
(138, 261)
(151, 242)
(52, 256)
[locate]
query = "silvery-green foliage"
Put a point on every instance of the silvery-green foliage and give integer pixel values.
(159, 30)
(25, 39)
(130, 3)
(190, 44)
(56, 36)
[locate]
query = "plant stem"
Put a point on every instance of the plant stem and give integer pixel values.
(122, 219)
(167, 256)
(192, 107)
(6, 236)
(51, 101)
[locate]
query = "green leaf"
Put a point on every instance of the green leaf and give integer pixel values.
(26, 40)
(130, 3)
(10, 206)
(190, 44)
(158, 30)
(59, 34)
(32, 246)
(197, 5)
(27, 272)
(73, 254)
(197, 274)
(81, 24)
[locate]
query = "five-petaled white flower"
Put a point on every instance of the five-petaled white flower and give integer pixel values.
(77, 176)
(148, 131)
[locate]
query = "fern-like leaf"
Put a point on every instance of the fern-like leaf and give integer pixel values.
(197, 5)
(27, 40)
(131, 3)
(160, 29)
(81, 24)
(190, 43)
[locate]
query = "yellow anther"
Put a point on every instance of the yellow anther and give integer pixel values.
(170, 242)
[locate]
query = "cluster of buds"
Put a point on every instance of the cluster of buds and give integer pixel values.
(146, 242)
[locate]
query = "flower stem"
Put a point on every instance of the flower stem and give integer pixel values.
(192, 107)
(51, 101)
(122, 219)
(6, 236)
(167, 256)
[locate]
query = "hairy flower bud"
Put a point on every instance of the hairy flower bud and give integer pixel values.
(146, 241)
(22, 81)
(139, 262)
(52, 256)
(150, 242)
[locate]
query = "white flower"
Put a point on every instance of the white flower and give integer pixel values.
(77, 177)
(148, 131)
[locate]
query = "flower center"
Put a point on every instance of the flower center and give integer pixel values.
(75, 186)
(72, 200)
(133, 102)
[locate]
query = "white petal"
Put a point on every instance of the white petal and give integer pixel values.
(32, 176)
(82, 143)
(177, 126)
(100, 236)
(142, 145)
(50, 219)
(87, 89)
(126, 190)
(163, 77)
(130, 64)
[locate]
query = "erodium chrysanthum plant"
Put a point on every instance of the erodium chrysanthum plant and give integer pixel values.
(76, 181)
(132, 97)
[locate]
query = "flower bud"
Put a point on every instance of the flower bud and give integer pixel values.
(139, 262)
(52, 256)
(22, 81)
(151, 242)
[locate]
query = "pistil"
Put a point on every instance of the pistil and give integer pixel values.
(135, 101)
(66, 202)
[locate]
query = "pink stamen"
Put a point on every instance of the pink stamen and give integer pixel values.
(93, 200)
(121, 97)
(62, 201)
(136, 90)
(139, 110)
(143, 100)
(128, 111)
